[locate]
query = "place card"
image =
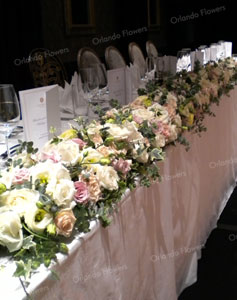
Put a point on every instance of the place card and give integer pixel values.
(40, 111)
(117, 84)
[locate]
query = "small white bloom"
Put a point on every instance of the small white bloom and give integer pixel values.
(31, 219)
(49, 171)
(10, 230)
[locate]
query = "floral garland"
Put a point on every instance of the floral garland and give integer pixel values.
(82, 174)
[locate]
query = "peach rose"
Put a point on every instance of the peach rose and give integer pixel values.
(64, 222)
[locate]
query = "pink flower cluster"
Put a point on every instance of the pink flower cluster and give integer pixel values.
(121, 165)
(162, 128)
(82, 193)
(21, 175)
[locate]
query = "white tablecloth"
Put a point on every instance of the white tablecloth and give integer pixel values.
(150, 250)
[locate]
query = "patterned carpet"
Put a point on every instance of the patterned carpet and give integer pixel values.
(217, 269)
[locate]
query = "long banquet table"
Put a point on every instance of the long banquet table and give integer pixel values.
(150, 250)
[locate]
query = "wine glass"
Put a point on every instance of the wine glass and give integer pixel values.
(9, 111)
(90, 86)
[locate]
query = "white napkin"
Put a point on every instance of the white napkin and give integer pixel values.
(135, 76)
(228, 49)
(213, 53)
(172, 64)
(207, 55)
(72, 98)
(65, 98)
(199, 55)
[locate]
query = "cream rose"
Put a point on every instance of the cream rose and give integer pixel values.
(69, 152)
(159, 141)
(108, 177)
(62, 191)
(19, 200)
(37, 219)
(143, 113)
(10, 230)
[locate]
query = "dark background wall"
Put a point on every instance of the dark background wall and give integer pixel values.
(27, 24)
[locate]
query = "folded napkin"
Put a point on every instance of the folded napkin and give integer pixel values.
(72, 99)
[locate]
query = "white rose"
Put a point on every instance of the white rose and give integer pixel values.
(173, 133)
(143, 157)
(19, 200)
(108, 177)
(159, 141)
(31, 219)
(143, 113)
(69, 152)
(161, 113)
(62, 192)
(10, 230)
(119, 132)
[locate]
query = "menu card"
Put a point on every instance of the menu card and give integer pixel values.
(40, 111)
(120, 85)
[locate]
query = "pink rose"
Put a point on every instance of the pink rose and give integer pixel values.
(80, 142)
(82, 192)
(21, 175)
(137, 119)
(54, 156)
(122, 165)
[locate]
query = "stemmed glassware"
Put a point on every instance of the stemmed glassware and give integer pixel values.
(9, 111)
(90, 86)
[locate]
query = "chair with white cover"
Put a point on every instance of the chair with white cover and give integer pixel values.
(151, 50)
(88, 58)
(137, 58)
(113, 58)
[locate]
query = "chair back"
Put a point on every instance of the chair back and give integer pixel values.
(137, 58)
(114, 58)
(88, 58)
(151, 50)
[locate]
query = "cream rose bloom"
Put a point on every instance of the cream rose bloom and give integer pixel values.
(19, 200)
(128, 131)
(163, 114)
(69, 152)
(108, 177)
(173, 133)
(143, 157)
(10, 230)
(143, 113)
(159, 141)
(31, 219)
(61, 191)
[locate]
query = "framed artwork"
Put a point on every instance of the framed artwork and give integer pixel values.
(79, 16)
